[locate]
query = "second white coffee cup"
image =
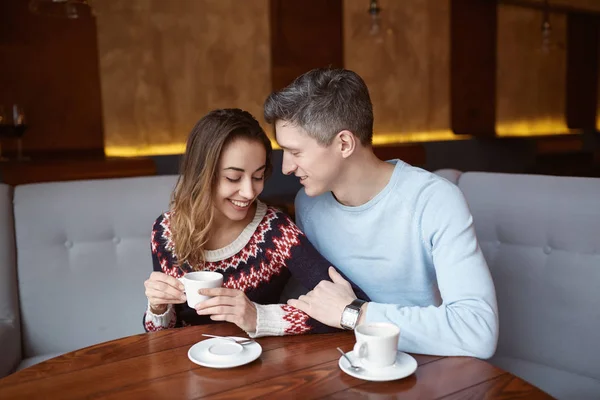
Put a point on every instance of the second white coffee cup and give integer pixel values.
(376, 344)
(194, 281)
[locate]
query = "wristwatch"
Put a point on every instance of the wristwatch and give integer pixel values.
(351, 314)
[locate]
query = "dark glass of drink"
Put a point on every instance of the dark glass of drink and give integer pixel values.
(5, 129)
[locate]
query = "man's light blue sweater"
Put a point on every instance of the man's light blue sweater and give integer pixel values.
(413, 250)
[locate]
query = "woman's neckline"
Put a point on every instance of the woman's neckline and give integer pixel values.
(242, 240)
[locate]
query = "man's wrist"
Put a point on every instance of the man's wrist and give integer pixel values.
(363, 314)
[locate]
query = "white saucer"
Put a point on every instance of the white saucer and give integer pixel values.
(405, 365)
(221, 353)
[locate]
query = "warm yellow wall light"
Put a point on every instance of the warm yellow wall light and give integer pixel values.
(391, 138)
(539, 127)
(144, 150)
(547, 127)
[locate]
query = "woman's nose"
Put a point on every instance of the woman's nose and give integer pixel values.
(247, 190)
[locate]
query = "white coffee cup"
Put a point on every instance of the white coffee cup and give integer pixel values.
(376, 344)
(194, 281)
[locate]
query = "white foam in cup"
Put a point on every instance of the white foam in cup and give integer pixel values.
(194, 281)
(376, 344)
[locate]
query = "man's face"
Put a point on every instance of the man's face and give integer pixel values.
(317, 166)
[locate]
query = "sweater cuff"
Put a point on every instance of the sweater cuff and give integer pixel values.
(154, 322)
(375, 313)
(269, 321)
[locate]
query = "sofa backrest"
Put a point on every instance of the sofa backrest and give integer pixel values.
(453, 175)
(9, 301)
(83, 255)
(541, 238)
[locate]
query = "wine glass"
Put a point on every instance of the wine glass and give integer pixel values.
(19, 126)
(5, 129)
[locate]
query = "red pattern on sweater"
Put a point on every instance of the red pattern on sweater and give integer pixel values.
(151, 327)
(297, 320)
(246, 270)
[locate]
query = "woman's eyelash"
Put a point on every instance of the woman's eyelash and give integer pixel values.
(258, 179)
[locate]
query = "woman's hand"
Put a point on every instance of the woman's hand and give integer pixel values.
(229, 305)
(162, 290)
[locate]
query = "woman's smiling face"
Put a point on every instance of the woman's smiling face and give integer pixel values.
(240, 178)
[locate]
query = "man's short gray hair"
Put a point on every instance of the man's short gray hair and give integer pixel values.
(325, 102)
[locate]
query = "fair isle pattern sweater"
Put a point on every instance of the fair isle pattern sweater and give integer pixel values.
(259, 262)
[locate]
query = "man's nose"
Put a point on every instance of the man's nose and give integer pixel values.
(288, 166)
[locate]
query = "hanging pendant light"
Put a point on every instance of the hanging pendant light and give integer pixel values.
(374, 12)
(546, 29)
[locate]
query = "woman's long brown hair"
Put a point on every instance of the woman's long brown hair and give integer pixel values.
(192, 200)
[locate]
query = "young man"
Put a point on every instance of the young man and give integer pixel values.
(403, 234)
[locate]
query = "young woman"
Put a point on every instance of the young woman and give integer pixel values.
(216, 223)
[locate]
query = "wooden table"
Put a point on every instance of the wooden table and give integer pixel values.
(155, 365)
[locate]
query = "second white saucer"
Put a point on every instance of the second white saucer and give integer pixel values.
(219, 353)
(404, 366)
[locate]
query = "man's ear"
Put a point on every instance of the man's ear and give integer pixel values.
(347, 143)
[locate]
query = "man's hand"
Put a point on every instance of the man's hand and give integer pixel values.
(229, 305)
(327, 300)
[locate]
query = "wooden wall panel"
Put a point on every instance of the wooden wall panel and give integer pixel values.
(50, 67)
(582, 71)
(406, 67)
(164, 64)
(531, 84)
(304, 35)
(473, 67)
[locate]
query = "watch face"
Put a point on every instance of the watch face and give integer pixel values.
(349, 317)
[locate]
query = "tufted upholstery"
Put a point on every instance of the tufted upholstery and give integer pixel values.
(541, 238)
(83, 254)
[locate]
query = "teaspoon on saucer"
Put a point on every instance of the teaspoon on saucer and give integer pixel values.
(238, 341)
(354, 367)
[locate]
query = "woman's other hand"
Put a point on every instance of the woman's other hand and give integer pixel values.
(162, 290)
(229, 305)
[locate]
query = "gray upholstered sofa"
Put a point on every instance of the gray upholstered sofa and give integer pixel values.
(83, 254)
(541, 238)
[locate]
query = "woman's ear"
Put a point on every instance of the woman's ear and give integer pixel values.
(347, 143)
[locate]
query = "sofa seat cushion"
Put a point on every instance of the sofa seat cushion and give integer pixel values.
(31, 361)
(558, 383)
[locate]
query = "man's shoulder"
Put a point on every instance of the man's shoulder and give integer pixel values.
(432, 195)
(420, 177)
(420, 182)
(423, 191)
